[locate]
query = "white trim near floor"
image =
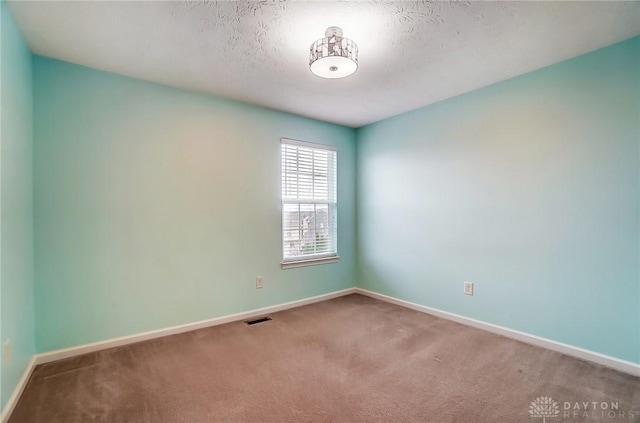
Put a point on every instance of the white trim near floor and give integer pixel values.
(116, 342)
(15, 396)
(605, 360)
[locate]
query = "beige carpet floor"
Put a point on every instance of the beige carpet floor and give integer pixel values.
(352, 359)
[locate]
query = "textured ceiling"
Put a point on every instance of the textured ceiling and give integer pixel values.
(411, 53)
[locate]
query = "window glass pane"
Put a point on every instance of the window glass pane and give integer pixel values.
(322, 230)
(291, 230)
(307, 222)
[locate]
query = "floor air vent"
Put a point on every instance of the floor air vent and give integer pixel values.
(256, 321)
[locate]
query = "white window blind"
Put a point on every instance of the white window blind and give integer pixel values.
(309, 201)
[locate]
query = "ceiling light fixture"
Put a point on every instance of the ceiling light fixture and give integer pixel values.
(333, 56)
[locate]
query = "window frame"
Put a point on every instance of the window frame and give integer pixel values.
(308, 259)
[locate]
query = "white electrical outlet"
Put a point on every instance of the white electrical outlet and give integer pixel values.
(468, 288)
(6, 351)
(259, 282)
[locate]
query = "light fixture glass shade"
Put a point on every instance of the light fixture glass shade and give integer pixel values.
(333, 56)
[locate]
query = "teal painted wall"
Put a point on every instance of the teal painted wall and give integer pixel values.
(529, 188)
(157, 207)
(16, 199)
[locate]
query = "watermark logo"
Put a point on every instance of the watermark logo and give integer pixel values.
(545, 408)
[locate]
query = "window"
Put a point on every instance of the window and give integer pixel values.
(309, 203)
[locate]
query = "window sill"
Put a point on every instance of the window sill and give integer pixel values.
(309, 262)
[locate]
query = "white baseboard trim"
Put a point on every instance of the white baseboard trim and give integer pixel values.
(15, 396)
(605, 360)
(130, 339)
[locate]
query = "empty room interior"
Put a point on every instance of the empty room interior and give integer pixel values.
(298, 211)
